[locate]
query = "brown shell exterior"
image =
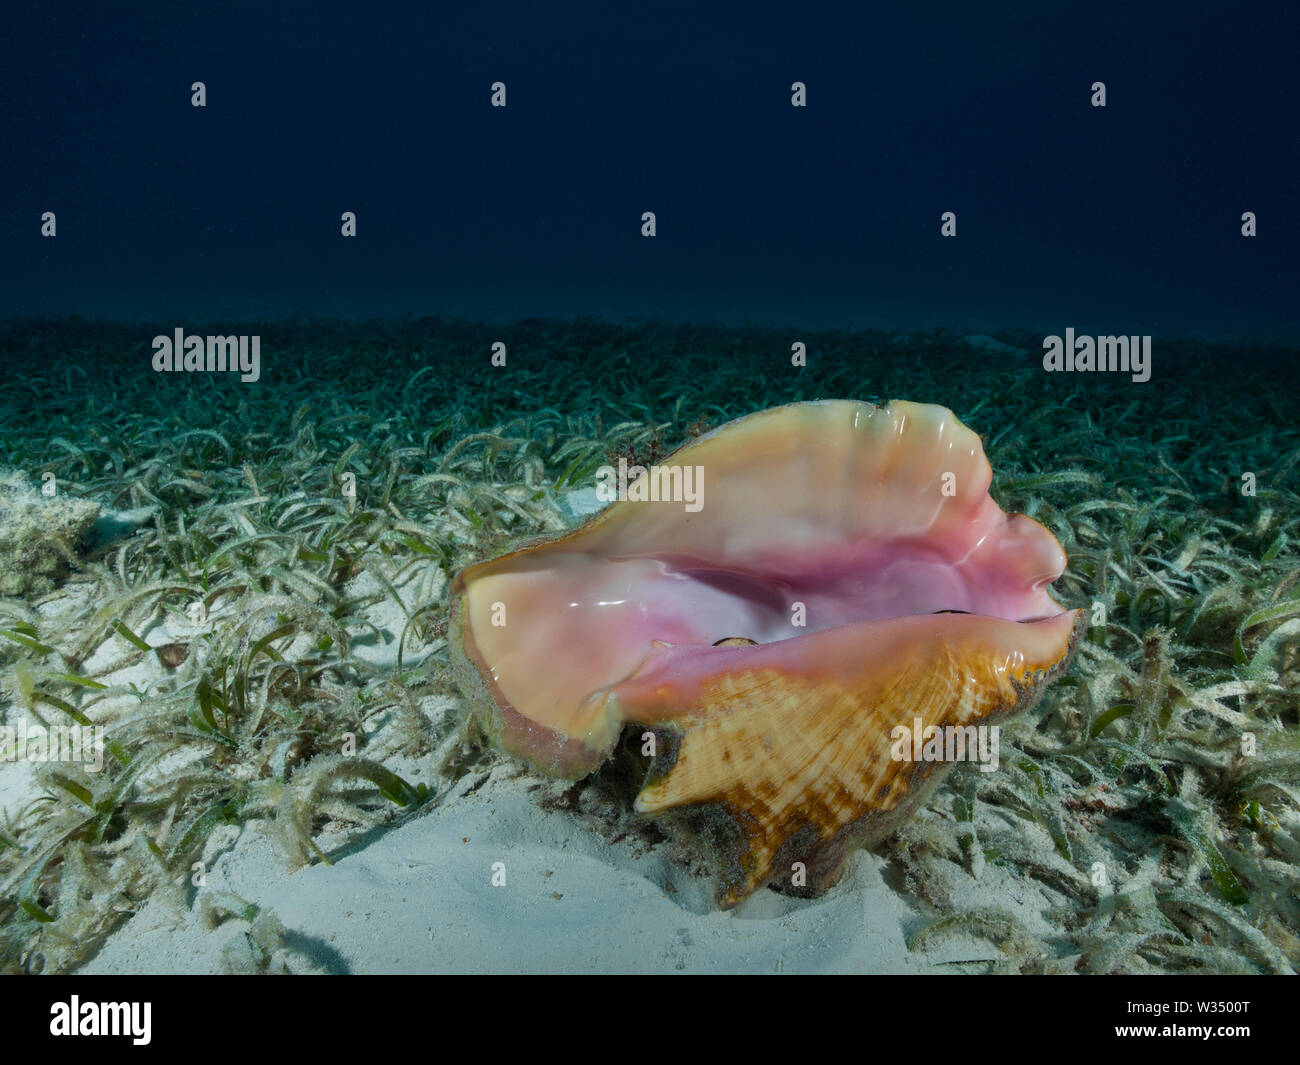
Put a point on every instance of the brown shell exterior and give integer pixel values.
(799, 771)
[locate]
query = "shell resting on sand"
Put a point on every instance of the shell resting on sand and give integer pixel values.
(841, 579)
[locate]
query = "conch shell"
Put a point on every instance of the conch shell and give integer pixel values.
(845, 576)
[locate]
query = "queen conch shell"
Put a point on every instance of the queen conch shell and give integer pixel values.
(846, 576)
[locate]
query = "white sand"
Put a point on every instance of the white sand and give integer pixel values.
(420, 899)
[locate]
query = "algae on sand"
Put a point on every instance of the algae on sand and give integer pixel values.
(1128, 812)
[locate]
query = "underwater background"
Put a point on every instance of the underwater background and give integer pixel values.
(129, 213)
(1122, 219)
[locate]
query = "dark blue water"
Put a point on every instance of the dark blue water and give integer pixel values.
(1122, 219)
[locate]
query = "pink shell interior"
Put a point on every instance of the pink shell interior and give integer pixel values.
(858, 512)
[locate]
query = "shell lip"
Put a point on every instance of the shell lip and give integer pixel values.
(509, 728)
